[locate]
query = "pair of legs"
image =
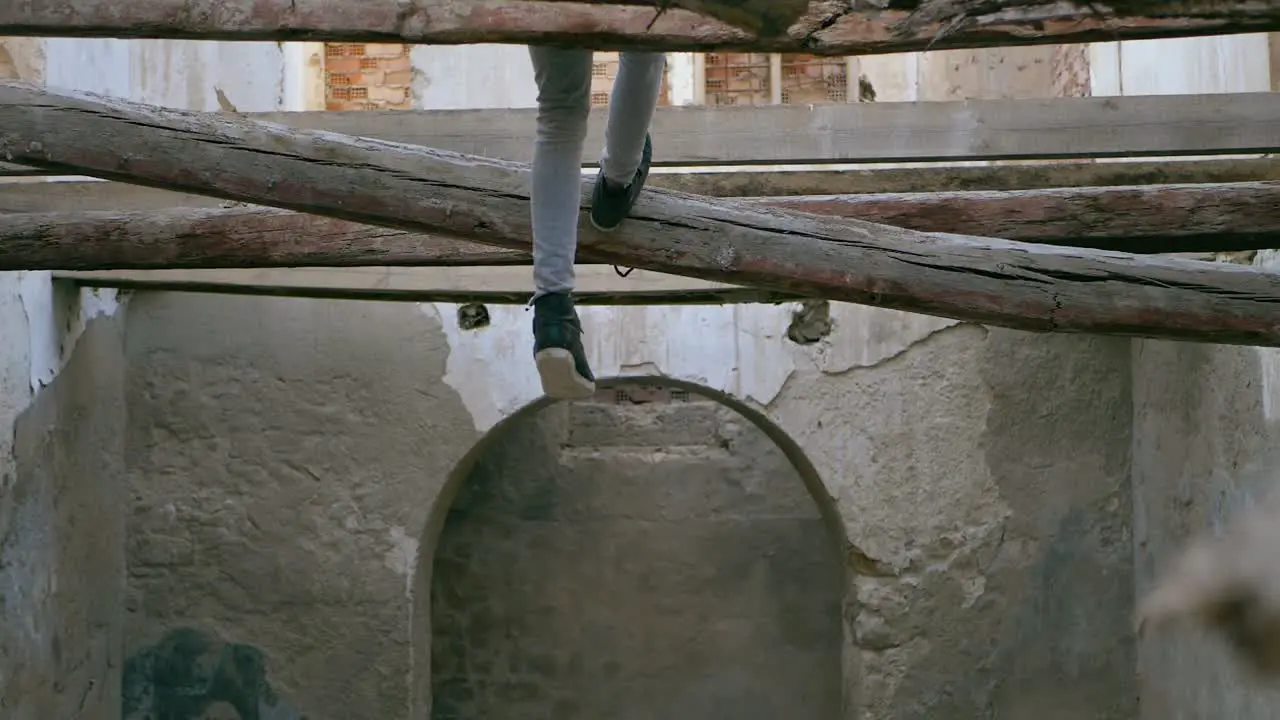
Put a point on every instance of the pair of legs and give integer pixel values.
(564, 100)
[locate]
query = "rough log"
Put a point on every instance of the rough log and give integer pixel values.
(597, 285)
(1158, 219)
(237, 237)
(1031, 287)
(1150, 219)
(75, 196)
(817, 26)
(945, 178)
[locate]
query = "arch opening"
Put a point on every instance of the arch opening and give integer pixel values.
(659, 550)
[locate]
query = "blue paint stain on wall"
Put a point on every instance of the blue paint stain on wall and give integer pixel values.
(189, 673)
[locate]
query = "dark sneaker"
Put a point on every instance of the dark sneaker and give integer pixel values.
(611, 205)
(557, 349)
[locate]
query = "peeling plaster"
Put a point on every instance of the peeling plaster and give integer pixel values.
(868, 336)
(49, 319)
(1269, 358)
(15, 362)
(740, 350)
(402, 557)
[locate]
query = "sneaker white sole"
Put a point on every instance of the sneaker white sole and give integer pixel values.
(560, 380)
(603, 229)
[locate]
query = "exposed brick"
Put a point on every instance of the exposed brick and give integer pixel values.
(368, 77)
(399, 77)
(342, 65)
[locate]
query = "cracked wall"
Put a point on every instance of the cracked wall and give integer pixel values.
(1207, 429)
(285, 456)
(62, 563)
(62, 493)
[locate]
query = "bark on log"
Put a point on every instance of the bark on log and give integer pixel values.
(1151, 219)
(1158, 219)
(817, 26)
(1031, 287)
(237, 237)
(78, 196)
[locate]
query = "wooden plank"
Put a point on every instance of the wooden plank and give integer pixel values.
(1156, 219)
(93, 195)
(1154, 125)
(596, 285)
(761, 25)
(996, 282)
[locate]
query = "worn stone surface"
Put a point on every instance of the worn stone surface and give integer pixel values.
(282, 458)
(1204, 449)
(62, 560)
(983, 474)
(643, 561)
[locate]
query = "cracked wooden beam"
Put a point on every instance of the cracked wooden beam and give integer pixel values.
(1146, 219)
(810, 26)
(233, 237)
(1156, 219)
(80, 195)
(996, 282)
(597, 285)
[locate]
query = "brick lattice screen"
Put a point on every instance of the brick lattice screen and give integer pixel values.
(737, 79)
(745, 79)
(604, 70)
(367, 77)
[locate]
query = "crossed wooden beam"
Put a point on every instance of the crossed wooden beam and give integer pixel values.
(807, 26)
(433, 199)
(439, 193)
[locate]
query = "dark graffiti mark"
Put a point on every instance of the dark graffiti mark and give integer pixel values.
(193, 675)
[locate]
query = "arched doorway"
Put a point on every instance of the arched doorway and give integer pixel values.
(649, 553)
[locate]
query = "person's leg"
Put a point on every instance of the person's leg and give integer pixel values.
(564, 100)
(624, 165)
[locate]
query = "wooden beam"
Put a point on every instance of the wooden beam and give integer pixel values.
(949, 178)
(1028, 129)
(81, 195)
(236, 237)
(9, 170)
(1030, 287)
(596, 285)
(760, 25)
(1150, 219)
(1158, 219)
(1153, 125)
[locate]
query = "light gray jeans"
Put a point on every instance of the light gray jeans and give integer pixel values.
(564, 100)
